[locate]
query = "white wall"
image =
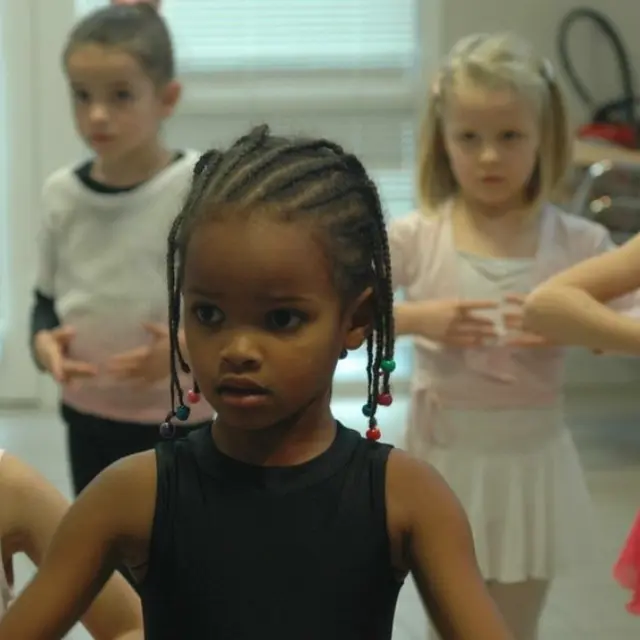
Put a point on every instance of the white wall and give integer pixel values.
(213, 115)
(626, 16)
(19, 192)
(538, 21)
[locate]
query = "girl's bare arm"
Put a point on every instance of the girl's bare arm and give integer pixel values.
(438, 550)
(112, 515)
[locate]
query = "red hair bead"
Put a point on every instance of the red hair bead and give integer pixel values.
(373, 433)
(193, 396)
(385, 399)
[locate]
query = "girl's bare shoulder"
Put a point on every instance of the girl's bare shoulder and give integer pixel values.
(125, 493)
(127, 489)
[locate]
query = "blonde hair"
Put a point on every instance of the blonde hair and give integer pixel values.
(495, 61)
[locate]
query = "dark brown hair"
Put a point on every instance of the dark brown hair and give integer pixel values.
(137, 29)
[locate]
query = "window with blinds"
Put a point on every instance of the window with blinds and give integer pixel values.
(221, 35)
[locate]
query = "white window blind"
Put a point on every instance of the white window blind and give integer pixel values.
(221, 35)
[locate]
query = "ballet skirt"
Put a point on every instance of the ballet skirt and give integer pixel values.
(627, 569)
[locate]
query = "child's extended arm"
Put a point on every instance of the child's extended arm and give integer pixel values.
(80, 556)
(439, 552)
(570, 308)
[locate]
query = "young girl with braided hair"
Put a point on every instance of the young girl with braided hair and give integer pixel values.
(276, 521)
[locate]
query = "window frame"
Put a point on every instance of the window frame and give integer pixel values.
(293, 91)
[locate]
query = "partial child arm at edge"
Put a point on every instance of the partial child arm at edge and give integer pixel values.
(571, 307)
(114, 513)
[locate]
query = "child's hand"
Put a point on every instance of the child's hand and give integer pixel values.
(454, 323)
(51, 349)
(146, 365)
(513, 321)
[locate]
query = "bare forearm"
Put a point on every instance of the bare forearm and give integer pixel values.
(116, 613)
(405, 317)
(570, 316)
(44, 610)
(131, 635)
(43, 318)
(418, 319)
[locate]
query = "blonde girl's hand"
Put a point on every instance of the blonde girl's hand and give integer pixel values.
(456, 323)
(513, 323)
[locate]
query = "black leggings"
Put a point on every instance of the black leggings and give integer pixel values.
(94, 443)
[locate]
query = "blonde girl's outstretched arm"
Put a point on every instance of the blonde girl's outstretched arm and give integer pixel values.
(571, 308)
(77, 560)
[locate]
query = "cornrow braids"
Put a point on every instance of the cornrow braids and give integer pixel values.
(308, 179)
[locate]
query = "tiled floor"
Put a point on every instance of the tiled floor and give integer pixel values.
(588, 605)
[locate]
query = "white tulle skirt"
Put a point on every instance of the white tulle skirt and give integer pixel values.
(518, 476)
